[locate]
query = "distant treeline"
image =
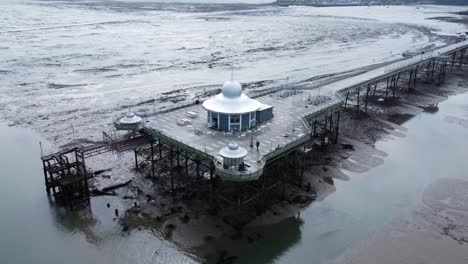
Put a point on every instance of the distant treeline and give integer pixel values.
(451, 2)
(369, 2)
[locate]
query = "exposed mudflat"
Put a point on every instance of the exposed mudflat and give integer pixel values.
(75, 65)
(435, 231)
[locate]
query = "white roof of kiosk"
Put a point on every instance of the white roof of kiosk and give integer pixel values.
(130, 119)
(232, 101)
(233, 151)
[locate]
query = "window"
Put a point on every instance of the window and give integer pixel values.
(235, 119)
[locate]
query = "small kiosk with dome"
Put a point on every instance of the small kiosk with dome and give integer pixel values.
(128, 121)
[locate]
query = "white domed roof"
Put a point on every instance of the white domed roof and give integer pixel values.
(232, 89)
(130, 119)
(232, 101)
(233, 151)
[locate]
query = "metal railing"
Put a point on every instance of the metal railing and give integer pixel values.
(237, 175)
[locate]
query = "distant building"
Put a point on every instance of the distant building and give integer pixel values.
(231, 110)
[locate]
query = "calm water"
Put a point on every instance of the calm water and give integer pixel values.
(34, 231)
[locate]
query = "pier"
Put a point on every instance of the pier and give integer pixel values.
(252, 156)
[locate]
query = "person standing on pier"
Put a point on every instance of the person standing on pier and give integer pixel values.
(258, 144)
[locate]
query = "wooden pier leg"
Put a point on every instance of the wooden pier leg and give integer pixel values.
(239, 197)
(324, 129)
(46, 180)
(152, 159)
(367, 97)
(86, 190)
(444, 72)
(197, 169)
(386, 89)
(434, 63)
(172, 183)
(415, 79)
(358, 104)
(186, 166)
(301, 175)
(136, 158)
(160, 148)
(283, 181)
(461, 58)
(453, 60)
(346, 99)
(337, 126)
(315, 128)
(410, 80)
(171, 156)
(178, 156)
(211, 184)
(263, 205)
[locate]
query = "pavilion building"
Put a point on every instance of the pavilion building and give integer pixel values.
(232, 110)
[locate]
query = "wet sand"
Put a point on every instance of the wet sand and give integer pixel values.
(434, 231)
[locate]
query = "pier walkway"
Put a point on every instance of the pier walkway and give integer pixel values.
(295, 113)
(179, 139)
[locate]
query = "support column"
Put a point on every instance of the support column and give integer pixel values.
(178, 156)
(337, 126)
(315, 128)
(136, 159)
(46, 180)
(461, 58)
(434, 62)
(410, 79)
(197, 169)
(453, 60)
(415, 77)
(152, 159)
(358, 104)
(301, 176)
(346, 99)
(263, 193)
(211, 184)
(386, 89)
(170, 156)
(160, 148)
(367, 97)
(172, 182)
(283, 191)
(186, 166)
